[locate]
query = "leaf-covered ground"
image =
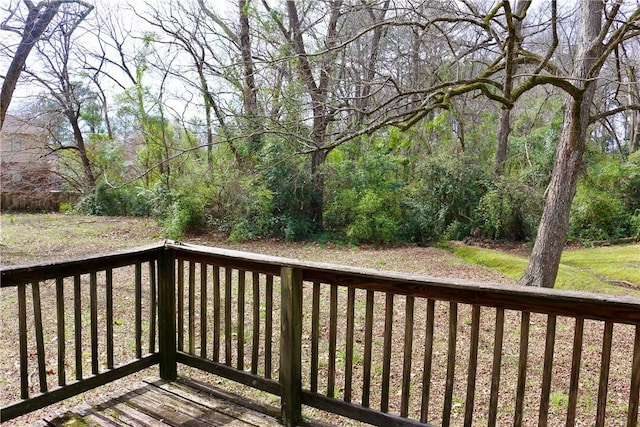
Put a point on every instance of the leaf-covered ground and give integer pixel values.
(36, 238)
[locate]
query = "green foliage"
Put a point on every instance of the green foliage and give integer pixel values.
(185, 215)
(442, 202)
(509, 210)
(607, 202)
(597, 215)
(119, 201)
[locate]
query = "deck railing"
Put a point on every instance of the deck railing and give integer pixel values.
(379, 347)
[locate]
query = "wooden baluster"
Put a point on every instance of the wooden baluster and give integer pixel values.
(240, 327)
(290, 345)
(348, 362)
(575, 372)
(138, 309)
(368, 343)
(203, 310)
(268, 327)
(473, 365)
(428, 358)
(77, 314)
(315, 335)
(522, 368)
(180, 305)
(216, 313)
(191, 315)
(255, 282)
(227, 315)
(109, 316)
(605, 363)
(153, 306)
(37, 314)
(93, 300)
(547, 371)
(451, 363)
(333, 321)
(386, 362)
(408, 349)
(634, 390)
(22, 331)
(62, 378)
(498, 340)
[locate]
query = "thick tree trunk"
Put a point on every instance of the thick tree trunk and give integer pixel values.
(90, 180)
(37, 22)
(504, 130)
(545, 257)
(317, 200)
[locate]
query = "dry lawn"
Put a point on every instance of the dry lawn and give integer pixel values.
(36, 238)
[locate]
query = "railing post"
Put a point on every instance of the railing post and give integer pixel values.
(167, 315)
(290, 345)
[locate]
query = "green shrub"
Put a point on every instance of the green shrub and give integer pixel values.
(509, 210)
(598, 215)
(120, 201)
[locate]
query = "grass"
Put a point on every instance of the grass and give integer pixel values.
(32, 238)
(587, 270)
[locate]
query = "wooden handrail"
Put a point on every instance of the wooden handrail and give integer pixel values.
(341, 339)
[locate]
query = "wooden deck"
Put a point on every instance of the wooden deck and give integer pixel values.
(156, 402)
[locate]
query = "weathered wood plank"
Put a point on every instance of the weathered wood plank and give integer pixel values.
(52, 396)
(93, 301)
(333, 333)
(427, 363)
(37, 313)
(62, 379)
(77, 316)
(498, 338)
(547, 371)
(522, 368)
(227, 315)
(290, 345)
(451, 363)
(180, 315)
(109, 316)
(348, 362)
(240, 319)
(386, 350)
(574, 382)
(634, 389)
(473, 365)
(22, 332)
(255, 334)
(191, 309)
(268, 328)
(153, 306)
(408, 350)
(315, 335)
(203, 310)
(216, 313)
(605, 362)
(167, 316)
(368, 344)
(12, 276)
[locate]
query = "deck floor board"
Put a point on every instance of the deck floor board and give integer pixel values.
(157, 402)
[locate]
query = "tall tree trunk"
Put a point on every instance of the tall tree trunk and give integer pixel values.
(250, 91)
(545, 257)
(514, 41)
(90, 180)
(37, 22)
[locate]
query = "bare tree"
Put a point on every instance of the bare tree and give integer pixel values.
(32, 29)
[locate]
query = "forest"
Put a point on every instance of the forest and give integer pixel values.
(350, 121)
